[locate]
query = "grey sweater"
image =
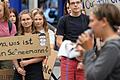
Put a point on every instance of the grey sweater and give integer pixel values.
(106, 66)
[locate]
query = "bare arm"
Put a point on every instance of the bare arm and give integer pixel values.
(59, 39)
(15, 62)
(31, 61)
(19, 69)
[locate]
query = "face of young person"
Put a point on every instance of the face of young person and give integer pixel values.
(12, 17)
(75, 6)
(26, 20)
(96, 25)
(1, 11)
(68, 9)
(38, 21)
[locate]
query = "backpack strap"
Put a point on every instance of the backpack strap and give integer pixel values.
(9, 26)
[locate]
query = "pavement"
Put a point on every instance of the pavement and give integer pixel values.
(56, 70)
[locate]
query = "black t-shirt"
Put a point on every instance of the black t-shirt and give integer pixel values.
(71, 27)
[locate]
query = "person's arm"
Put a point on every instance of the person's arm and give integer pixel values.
(59, 39)
(60, 31)
(18, 68)
(15, 62)
(31, 61)
(103, 65)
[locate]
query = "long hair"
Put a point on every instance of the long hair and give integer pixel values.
(21, 28)
(45, 26)
(6, 10)
(65, 8)
(12, 10)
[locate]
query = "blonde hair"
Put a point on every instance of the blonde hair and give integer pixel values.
(45, 26)
(20, 27)
(6, 10)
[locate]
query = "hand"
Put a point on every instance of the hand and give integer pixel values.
(21, 71)
(59, 58)
(80, 65)
(85, 41)
(23, 63)
(81, 50)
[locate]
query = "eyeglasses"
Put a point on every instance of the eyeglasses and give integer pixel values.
(77, 2)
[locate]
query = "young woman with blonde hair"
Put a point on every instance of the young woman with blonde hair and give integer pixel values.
(28, 68)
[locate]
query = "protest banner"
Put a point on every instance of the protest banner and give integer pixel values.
(25, 46)
(89, 4)
(48, 65)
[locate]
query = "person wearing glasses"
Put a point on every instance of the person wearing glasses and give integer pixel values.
(69, 28)
(102, 64)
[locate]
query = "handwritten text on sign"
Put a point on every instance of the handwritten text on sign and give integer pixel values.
(48, 65)
(23, 47)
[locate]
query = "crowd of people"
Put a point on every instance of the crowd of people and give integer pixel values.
(83, 55)
(69, 28)
(25, 23)
(96, 48)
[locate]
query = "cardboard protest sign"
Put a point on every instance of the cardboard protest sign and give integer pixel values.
(48, 65)
(6, 74)
(89, 4)
(25, 46)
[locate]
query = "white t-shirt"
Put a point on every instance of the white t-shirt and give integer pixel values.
(51, 35)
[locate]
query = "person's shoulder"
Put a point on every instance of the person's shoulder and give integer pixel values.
(84, 15)
(51, 27)
(50, 31)
(114, 42)
(64, 17)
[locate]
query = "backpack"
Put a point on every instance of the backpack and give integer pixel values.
(10, 26)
